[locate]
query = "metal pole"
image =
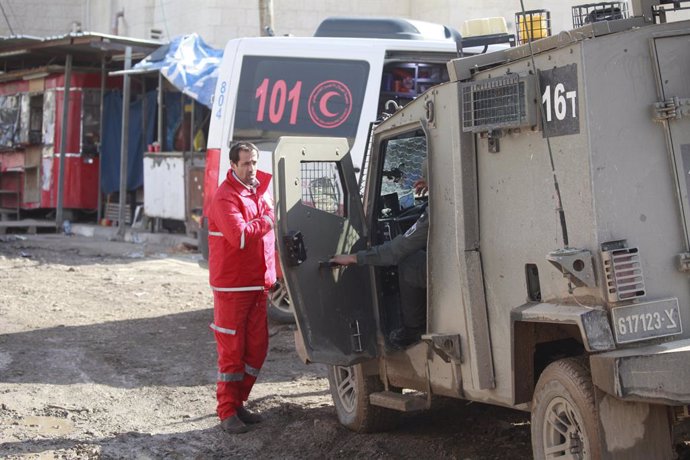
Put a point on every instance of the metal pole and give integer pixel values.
(266, 17)
(124, 140)
(191, 128)
(144, 111)
(63, 140)
(160, 111)
(100, 143)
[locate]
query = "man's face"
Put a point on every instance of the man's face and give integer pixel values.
(245, 168)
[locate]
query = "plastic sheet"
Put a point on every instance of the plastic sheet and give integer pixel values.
(189, 64)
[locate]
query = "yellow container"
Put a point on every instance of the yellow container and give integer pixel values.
(534, 26)
(484, 26)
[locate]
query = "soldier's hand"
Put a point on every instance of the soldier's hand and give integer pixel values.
(343, 259)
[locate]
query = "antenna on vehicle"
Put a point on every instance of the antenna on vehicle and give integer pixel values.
(559, 202)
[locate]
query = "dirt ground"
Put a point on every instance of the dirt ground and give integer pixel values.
(105, 352)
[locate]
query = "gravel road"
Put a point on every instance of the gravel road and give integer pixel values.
(105, 352)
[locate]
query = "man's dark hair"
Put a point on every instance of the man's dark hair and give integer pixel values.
(238, 147)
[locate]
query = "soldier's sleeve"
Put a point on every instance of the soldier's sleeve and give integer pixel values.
(392, 252)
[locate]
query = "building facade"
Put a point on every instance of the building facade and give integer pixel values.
(218, 21)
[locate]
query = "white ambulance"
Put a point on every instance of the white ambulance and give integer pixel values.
(352, 72)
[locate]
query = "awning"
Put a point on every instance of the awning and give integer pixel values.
(24, 52)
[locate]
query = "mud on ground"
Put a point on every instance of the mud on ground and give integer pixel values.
(105, 352)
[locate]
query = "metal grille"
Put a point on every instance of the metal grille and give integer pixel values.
(495, 103)
(532, 25)
(624, 279)
(322, 187)
(595, 12)
(660, 11)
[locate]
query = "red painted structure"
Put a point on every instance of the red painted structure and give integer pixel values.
(29, 171)
(33, 80)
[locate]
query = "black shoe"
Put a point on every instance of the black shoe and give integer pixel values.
(248, 417)
(404, 337)
(234, 425)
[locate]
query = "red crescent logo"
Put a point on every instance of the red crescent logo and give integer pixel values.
(323, 105)
(330, 104)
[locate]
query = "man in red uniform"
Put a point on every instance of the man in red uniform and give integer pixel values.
(241, 269)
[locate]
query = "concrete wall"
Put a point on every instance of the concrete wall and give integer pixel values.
(40, 17)
(217, 21)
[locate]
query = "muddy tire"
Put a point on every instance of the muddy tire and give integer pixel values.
(279, 306)
(564, 416)
(350, 390)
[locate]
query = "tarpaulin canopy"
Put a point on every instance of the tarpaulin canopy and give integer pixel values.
(189, 64)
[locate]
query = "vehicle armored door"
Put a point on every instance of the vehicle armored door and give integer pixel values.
(319, 214)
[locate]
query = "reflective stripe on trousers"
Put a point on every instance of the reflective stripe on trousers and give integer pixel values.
(237, 289)
(223, 330)
(236, 377)
(253, 371)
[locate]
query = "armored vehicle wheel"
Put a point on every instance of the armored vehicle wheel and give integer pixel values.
(279, 306)
(350, 390)
(564, 419)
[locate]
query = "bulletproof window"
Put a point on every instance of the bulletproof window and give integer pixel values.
(322, 187)
(402, 167)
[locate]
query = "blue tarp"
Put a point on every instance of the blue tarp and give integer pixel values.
(189, 64)
(112, 132)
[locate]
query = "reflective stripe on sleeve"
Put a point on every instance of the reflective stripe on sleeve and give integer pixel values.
(215, 234)
(223, 330)
(253, 371)
(236, 377)
(268, 219)
(242, 236)
(237, 289)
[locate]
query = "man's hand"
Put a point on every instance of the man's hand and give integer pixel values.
(344, 259)
(421, 188)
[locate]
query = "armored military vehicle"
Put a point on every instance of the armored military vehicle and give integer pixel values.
(558, 252)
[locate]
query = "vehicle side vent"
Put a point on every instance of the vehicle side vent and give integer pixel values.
(623, 271)
(496, 103)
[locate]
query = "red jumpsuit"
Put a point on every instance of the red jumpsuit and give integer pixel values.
(241, 268)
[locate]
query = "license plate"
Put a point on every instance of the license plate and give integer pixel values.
(643, 321)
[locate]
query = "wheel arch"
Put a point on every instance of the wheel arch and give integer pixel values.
(543, 333)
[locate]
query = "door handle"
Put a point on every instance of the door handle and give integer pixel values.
(294, 248)
(328, 264)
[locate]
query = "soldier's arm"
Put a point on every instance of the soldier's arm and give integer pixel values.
(390, 252)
